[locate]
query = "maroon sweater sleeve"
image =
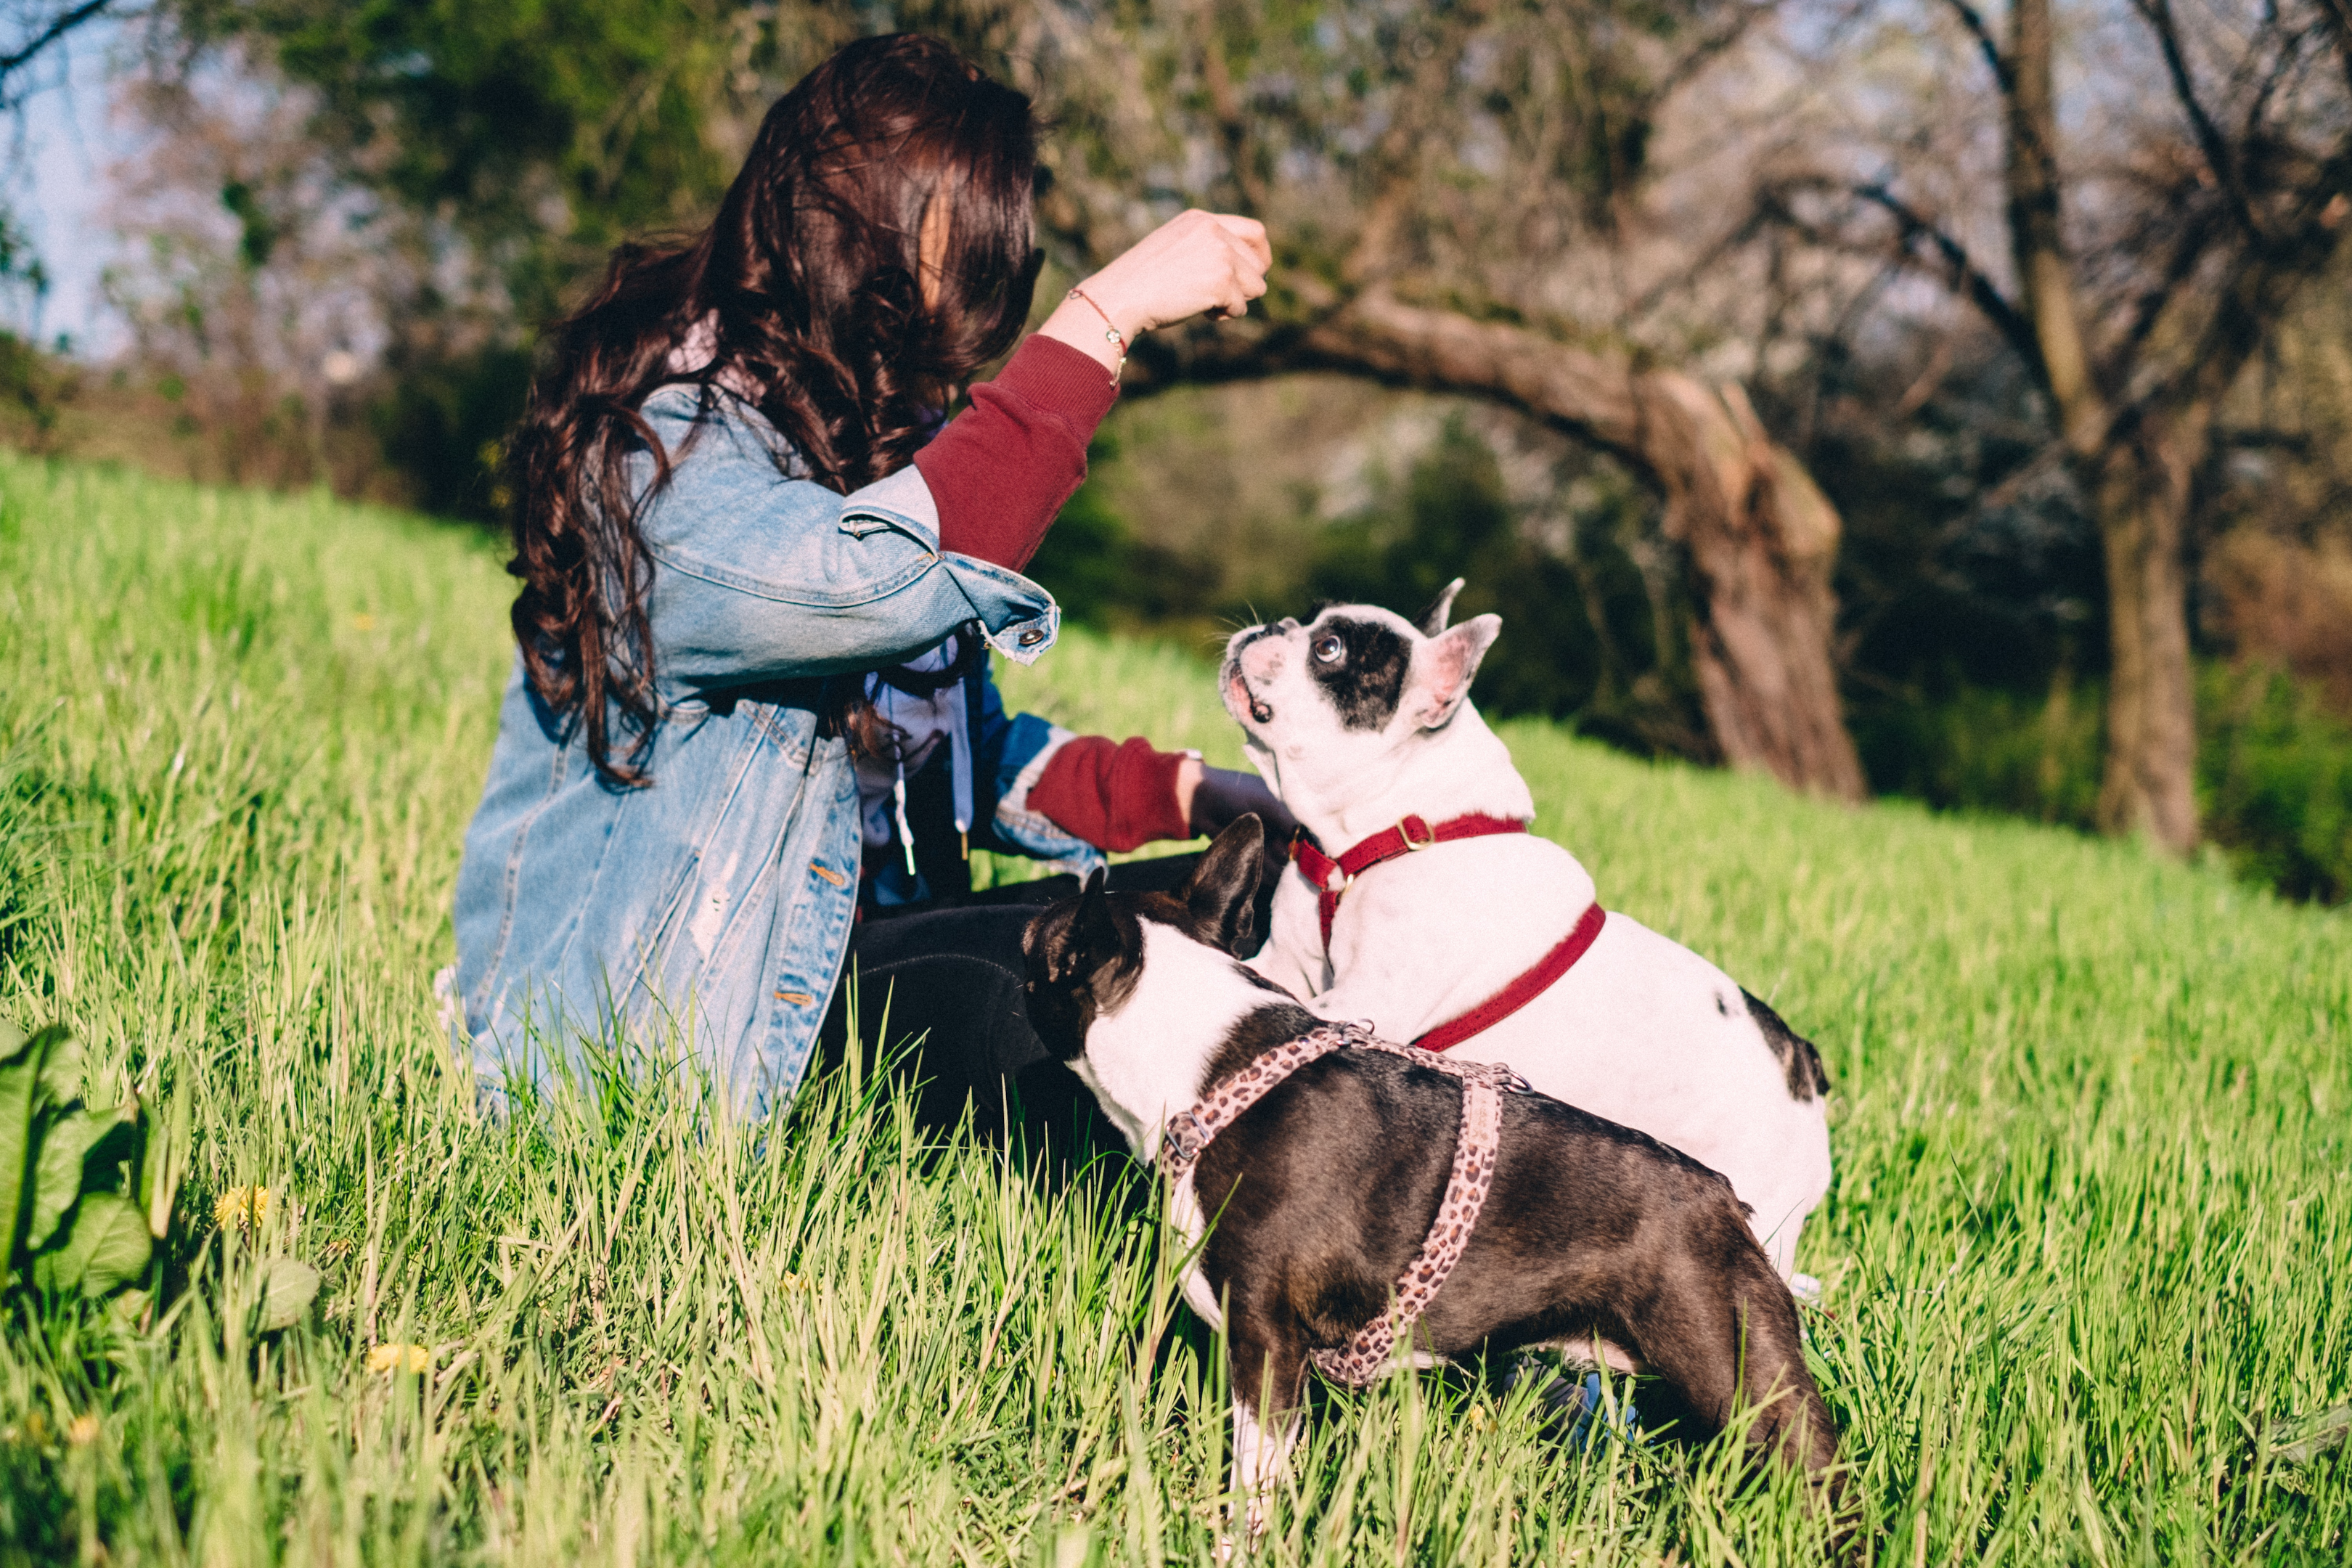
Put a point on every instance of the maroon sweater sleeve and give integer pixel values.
(1002, 467)
(1114, 794)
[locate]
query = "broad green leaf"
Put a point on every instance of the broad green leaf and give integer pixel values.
(121, 1251)
(107, 1247)
(118, 1140)
(288, 1286)
(60, 1167)
(61, 1068)
(12, 1040)
(18, 1079)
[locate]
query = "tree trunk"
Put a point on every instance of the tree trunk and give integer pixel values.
(2142, 490)
(1762, 537)
(2134, 470)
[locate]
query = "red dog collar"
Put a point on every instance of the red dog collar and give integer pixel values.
(1331, 877)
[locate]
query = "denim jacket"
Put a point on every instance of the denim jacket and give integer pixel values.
(716, 901)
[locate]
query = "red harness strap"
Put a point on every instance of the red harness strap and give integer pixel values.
(1522, 991)
(1331, 878)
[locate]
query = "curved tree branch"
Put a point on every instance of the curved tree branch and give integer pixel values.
(1761, 536)
(49, 32)
(1966, 278)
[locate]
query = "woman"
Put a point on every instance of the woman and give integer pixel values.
(734, 505)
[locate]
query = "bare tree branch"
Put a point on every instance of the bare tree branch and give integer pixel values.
(57, 28)
(1708, 49)
(2262, 289)
(1966, 277)
(1394, 155)
(2211, 142)
(2196, 239)
(1974, 22)
(2339, 19)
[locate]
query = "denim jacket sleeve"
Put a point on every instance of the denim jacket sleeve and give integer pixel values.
(761, 576)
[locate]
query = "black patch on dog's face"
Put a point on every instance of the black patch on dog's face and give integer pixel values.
(1800, 1062)
(1085, 956)
(1361, 665)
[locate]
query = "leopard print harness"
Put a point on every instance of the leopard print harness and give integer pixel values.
(1373, 1350)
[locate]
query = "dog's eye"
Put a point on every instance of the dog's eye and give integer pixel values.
(1329, 651)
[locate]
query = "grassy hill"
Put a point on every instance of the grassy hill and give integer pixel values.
(2088, 1259)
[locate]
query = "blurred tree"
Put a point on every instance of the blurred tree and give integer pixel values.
(33, 37)
(2155, 241)
(1431, 168)
(252, 296)
(539, 133)
(502, 148)
(1462, 199)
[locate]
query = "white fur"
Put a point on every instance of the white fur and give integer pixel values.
(1185, 1218)
(1642, 1030)
(1144, 1060)
(1260, 1456)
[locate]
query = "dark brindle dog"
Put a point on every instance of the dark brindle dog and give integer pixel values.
(1593, 1238)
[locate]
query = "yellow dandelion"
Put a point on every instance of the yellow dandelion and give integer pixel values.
(241, 1207)
(83, 1432)
(400, 1358)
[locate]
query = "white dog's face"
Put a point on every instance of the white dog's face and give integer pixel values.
(1354, 684)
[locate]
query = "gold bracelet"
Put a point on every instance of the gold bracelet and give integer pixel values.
(1111, 334)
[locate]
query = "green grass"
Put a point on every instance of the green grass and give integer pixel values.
(2090, 1245)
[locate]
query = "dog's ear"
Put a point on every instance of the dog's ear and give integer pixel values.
(1222, 891)
(1443, 667)
(1095, 939)
(1433, 619)
(1081, 959)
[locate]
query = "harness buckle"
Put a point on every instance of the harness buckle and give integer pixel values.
(1405, 832)
(1183, 1140)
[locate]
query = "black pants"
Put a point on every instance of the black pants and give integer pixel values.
(953, 974)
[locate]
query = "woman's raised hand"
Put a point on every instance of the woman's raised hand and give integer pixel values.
(1195, 263)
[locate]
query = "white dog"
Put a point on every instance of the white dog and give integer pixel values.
(1362, 722)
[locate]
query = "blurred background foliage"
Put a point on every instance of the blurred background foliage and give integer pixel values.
(341, 223)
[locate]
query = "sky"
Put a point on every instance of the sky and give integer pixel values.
(58, 161)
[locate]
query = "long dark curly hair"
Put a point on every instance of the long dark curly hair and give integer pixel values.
(808, 289)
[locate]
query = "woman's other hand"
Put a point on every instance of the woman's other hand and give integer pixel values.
(1196, 263)
(1211, 798)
